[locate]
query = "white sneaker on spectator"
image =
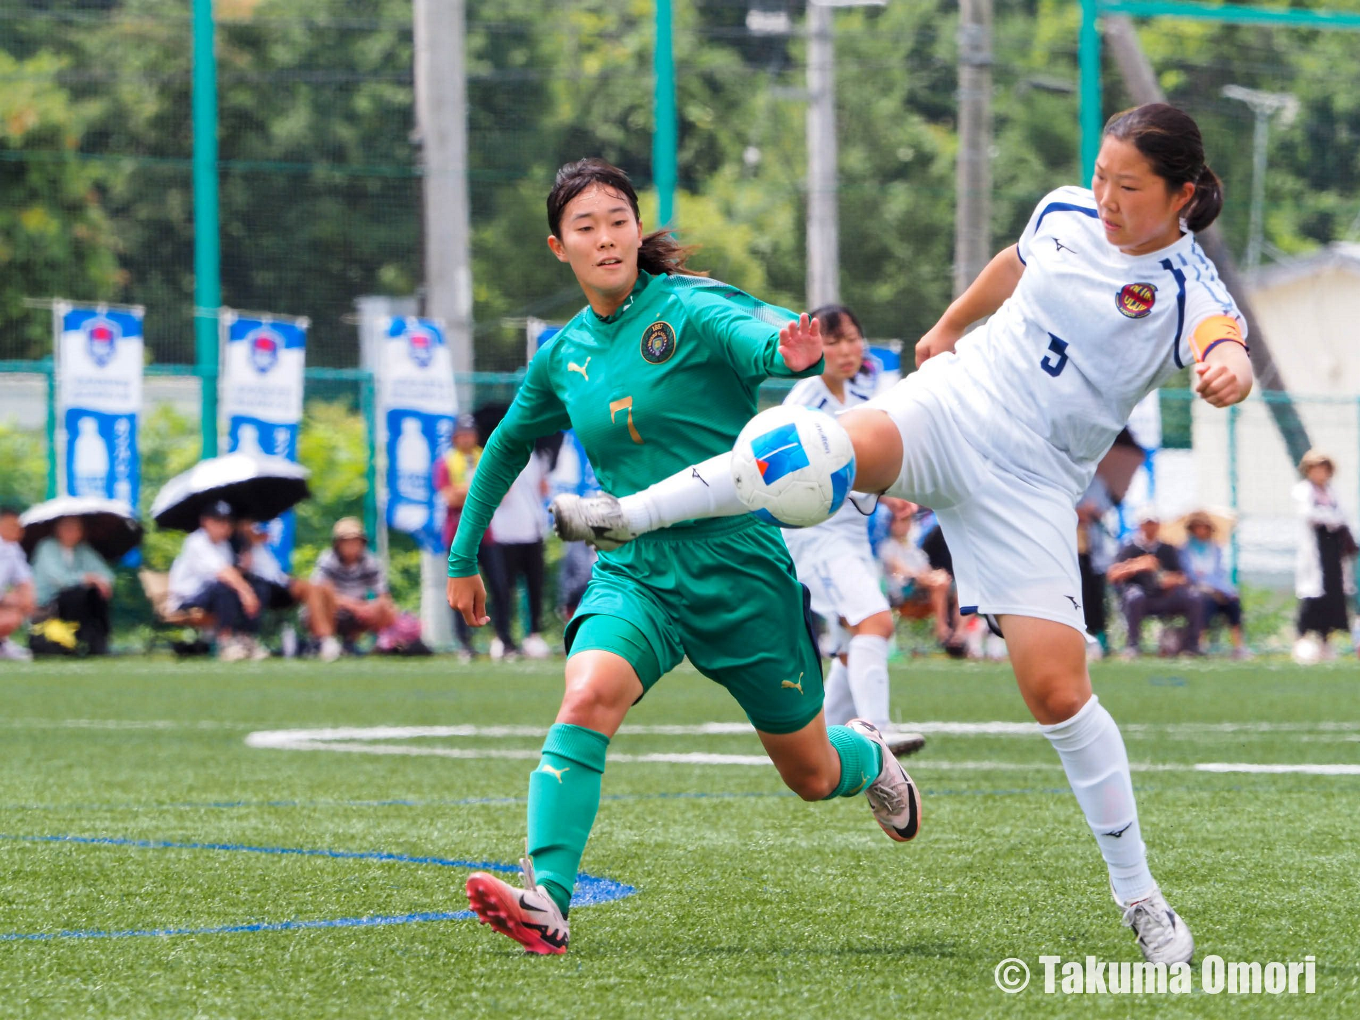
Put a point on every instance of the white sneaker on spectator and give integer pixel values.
(258, 652)
(14, 652)
(232, 649)
(331, 649)
(497, 649)
(534, 647)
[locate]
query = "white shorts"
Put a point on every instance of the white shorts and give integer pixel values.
(841, 574)
(1013, 539)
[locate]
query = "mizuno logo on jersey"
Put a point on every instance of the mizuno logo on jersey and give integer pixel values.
(1063, 247)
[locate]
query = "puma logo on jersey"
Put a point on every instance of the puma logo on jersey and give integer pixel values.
(1075, 603)
(556, 772)
(793, 686)
(573, 367)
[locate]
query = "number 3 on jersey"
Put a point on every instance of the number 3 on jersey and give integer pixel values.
(1058, 347)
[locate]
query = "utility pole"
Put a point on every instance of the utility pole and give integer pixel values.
(441, 123)
(1264, 105)
(823, 228)
(973, 168)
(665, 135)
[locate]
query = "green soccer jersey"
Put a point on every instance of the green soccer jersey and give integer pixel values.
(665, 382)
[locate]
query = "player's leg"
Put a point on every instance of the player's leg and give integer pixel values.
(867, 666)
(706, 489)
(747, 626)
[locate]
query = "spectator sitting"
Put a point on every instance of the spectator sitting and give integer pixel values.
(1207, 570)
(910, 577)
(1154, 584)
(276, 589)
(204, 576)
(73, 583)
(16, 586)
(350, 589)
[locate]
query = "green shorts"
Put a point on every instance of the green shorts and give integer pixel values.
(722, 593)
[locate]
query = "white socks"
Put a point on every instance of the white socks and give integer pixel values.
(838, 703)
(704, 490)
(1097, 766)
(867, 671)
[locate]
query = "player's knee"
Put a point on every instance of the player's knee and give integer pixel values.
(1057, 702)
(878, 625)
(593, 702)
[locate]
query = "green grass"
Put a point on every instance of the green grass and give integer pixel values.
(748, 902)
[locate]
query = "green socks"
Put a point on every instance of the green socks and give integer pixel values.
(860, 760)
(564, 794)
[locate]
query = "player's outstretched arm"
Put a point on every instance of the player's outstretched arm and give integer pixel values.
(984, 296)
(1224, 376)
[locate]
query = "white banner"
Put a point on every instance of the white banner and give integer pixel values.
(99, 354)
(260, 397)
(417, 404)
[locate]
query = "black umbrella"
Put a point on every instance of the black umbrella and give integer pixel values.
(260, 488)
(111, 528)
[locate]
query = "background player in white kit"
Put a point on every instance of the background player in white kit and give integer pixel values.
(834, 559)
(1105, 297)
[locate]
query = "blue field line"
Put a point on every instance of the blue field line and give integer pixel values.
(591, 890)
(475, 801)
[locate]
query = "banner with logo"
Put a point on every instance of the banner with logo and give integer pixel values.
(260, 397)
(417, 405)
(99, 397)
(886, 361)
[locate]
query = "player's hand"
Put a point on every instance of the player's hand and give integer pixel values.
(467, 595)
(1218, 384)
(250, 602)
(940, 340)
(800, 343)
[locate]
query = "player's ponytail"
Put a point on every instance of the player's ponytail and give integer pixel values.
(1207, 203)
(1170, 141)
(659, 253)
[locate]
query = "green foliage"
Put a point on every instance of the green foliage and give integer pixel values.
(23, 477)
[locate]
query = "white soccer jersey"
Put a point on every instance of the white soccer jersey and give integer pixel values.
(847, 521)
(1050, 380)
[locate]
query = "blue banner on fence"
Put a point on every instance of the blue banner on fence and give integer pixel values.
(263, 361)
(417, 406)
(99, 396)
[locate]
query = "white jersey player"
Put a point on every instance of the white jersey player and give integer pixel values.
(1106, 294)
(834, 560)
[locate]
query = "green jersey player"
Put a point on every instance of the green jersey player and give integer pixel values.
(660, 371)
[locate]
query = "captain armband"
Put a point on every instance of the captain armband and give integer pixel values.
(1213, 331)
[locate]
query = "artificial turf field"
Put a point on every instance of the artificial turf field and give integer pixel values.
(131, 804)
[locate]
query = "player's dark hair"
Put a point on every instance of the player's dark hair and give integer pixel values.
(834, 317)
(1170, 140)
(660, 251)
(8, 510)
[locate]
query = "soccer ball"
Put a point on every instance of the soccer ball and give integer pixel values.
(793, 466)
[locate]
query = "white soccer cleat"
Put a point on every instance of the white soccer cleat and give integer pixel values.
(528, 915)
(901, 744)
(1162, 935)
(595, 520)
(14, 652)
(895, 801)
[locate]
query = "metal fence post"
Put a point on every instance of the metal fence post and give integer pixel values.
(51, 375)
(369, 408)
(1234, 412)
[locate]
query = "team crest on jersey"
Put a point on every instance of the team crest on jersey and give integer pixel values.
(658, 343)
(1136, 299)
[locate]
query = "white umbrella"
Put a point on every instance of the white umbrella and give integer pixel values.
(111, 526)
(260, 488)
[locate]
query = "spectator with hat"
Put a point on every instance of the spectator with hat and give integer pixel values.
(350, 586)
(1152, 582)
(1206, 567)
(1325, 544)
(204, 576)
(73, 583)
(16, 586)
